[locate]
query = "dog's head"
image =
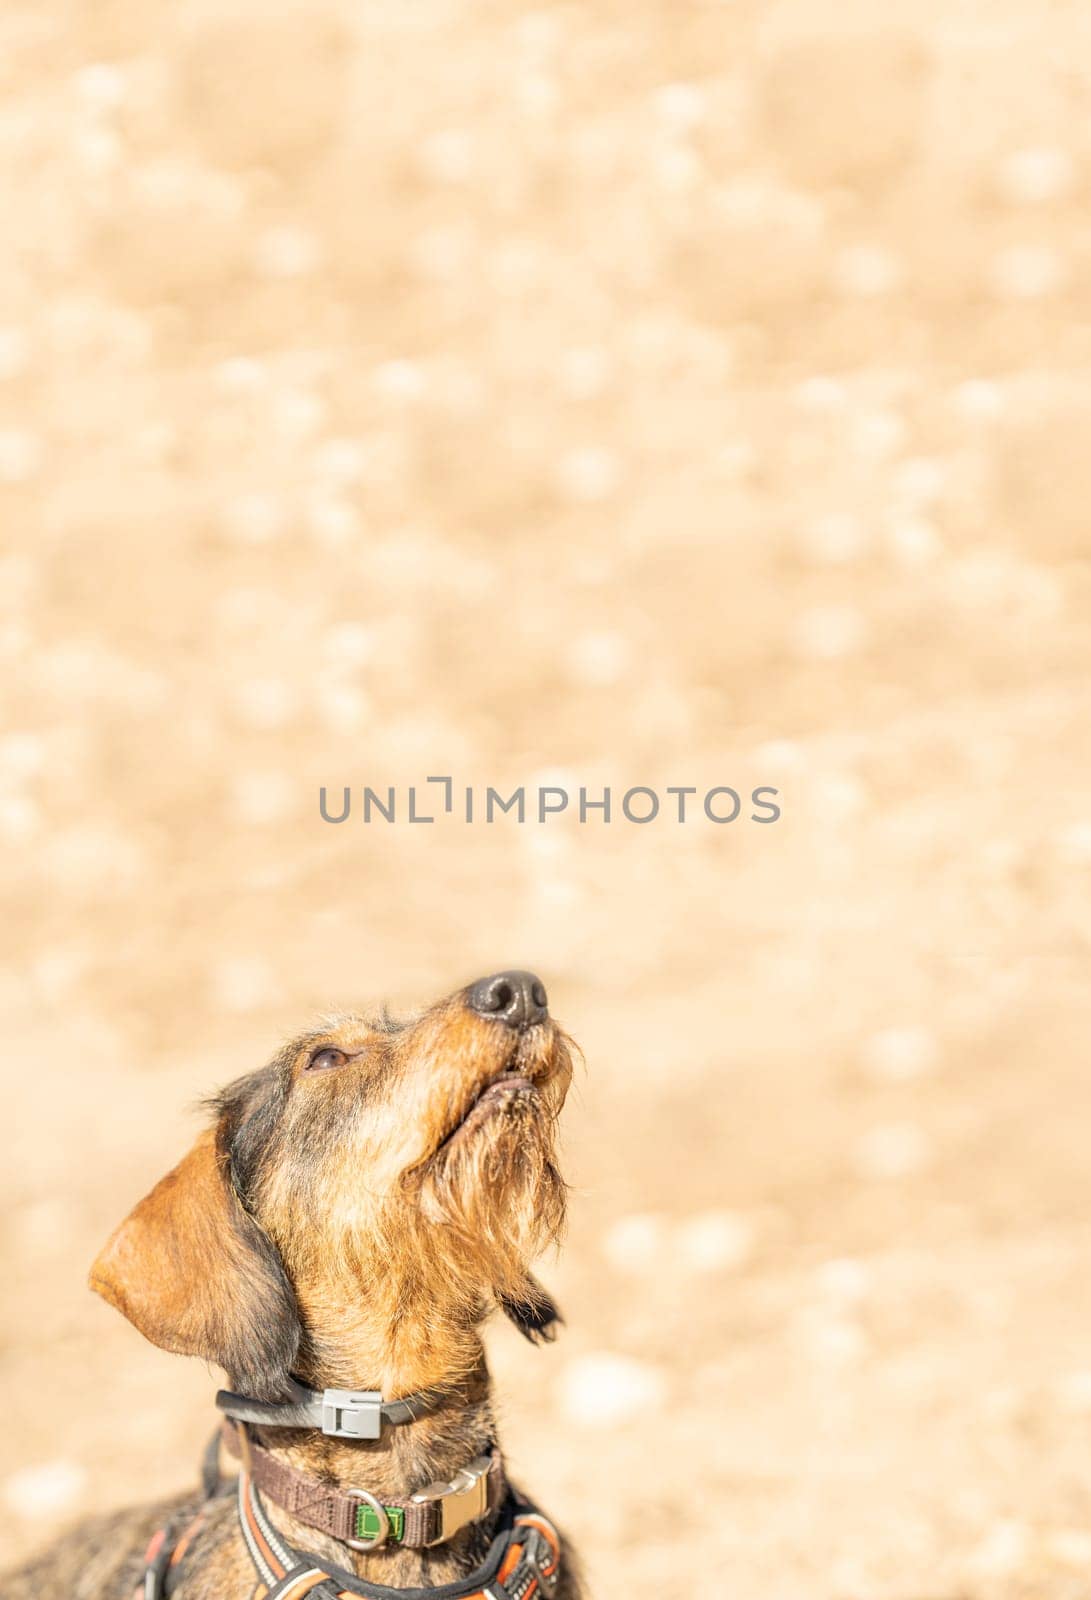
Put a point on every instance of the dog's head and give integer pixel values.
(361, 1202)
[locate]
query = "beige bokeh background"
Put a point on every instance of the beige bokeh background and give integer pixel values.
(656, 393)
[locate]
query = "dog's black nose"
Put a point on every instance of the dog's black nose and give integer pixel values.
(515, 998)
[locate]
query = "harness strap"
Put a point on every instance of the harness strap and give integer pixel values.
(529, 1568)
(302, 1580)
(350, 1516)
(526, 1565)
(161, 1558)
(522, 1564)
(272, 1559)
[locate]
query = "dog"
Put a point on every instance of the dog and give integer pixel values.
(353, 1213)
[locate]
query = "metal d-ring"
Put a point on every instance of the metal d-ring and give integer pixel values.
(384, 1523)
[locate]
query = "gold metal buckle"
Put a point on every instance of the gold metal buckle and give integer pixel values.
(462, 1499)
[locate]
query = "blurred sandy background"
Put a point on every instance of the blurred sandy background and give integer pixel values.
(650, 393)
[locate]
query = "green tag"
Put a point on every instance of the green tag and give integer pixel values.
(367, 1522)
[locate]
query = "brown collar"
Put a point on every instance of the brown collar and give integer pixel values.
(359, 1519)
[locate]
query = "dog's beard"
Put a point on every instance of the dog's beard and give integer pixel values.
(497, 1194)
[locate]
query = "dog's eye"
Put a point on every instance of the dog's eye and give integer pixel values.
(324, 1059)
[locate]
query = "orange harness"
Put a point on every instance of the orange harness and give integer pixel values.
(523, 1562)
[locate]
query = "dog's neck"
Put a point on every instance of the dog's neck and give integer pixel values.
(406, 1458)
(388, 1337)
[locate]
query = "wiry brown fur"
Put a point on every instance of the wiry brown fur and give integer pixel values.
(349, 1227)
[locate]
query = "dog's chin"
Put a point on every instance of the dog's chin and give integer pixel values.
(494, 1182)
(499, 1106)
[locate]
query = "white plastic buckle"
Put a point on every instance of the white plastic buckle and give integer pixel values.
(352, 1413)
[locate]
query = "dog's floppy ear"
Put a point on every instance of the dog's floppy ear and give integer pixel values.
(192, 1270)
(534, 1312)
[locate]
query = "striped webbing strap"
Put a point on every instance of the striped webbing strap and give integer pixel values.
(161, 1559)
(529, 1566)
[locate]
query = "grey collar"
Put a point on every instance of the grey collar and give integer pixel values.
(339, 1413)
